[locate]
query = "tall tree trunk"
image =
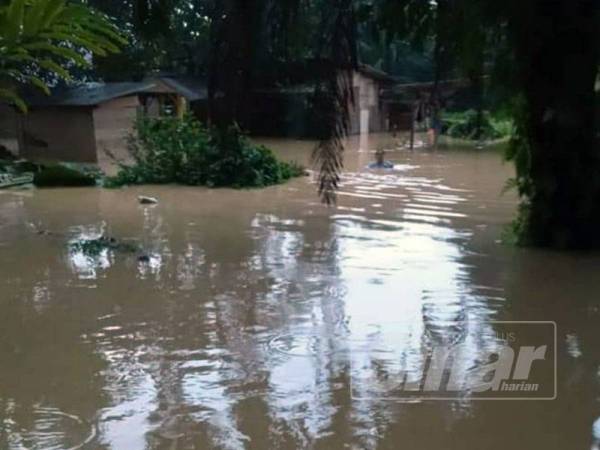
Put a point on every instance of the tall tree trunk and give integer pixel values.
(557, 54)
(234, 29)
(441, 42)
(478, 87)
(241, 29)
(213, 64)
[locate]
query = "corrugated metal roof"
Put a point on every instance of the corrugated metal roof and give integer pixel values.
(192, 89)
(87, 94)
(92, 94)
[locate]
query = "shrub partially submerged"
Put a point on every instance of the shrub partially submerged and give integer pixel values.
(466, 125)
(183, 151)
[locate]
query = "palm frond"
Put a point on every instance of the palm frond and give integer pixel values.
(10, 96)
(337, 95)
(14, 20)
(39, 37)
(63, 52)
(38, 83)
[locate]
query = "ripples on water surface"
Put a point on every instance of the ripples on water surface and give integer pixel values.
(240, 327)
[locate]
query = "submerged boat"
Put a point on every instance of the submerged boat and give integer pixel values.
(9, 180)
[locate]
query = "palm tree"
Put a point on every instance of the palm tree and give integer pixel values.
(41, 40)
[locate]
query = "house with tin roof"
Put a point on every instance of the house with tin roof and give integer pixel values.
(90, 122)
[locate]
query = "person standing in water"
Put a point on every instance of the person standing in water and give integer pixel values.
(419, 117)
(434, 127)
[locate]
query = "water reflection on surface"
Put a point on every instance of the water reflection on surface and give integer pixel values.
(240, 319)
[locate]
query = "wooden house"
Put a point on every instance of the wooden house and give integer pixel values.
(90, 123)
(293, 111)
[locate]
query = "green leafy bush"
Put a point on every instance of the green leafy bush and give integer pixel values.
(183, 151)
(464, 125)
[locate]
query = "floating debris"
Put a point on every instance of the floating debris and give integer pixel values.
(147, 200)
(94, 247)
(10, 180)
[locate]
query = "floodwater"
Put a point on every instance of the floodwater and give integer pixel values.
(242, 323)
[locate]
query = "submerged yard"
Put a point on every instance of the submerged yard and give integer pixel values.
(420, 271)
(243, 317)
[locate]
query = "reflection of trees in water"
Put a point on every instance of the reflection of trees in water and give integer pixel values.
(291, 282)
(245, 327)
(564, 288)
(283, 286)
(308, 356)
(47, 374)
(215, 362)
(50, 385)
(428, 297)
(189, 342)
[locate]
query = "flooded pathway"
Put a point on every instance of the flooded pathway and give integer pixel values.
(239, 323)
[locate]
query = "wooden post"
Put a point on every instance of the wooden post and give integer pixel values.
(412, 128)
(180, 106)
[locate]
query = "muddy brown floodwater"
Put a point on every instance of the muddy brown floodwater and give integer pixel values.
(239, 326)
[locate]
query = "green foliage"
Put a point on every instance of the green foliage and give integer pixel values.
(60, 175)
(466, 125)
(171, 150)
(165, 150)
(235, 161)
(519, 152)
(42, 40)
(94, 247)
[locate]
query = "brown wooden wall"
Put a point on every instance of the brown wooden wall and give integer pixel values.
(113, 122)
(367, 97)
(8, 128)
(58, 134)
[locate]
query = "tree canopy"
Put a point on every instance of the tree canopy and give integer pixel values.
(42, 40)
